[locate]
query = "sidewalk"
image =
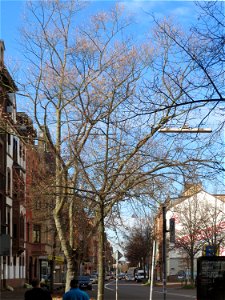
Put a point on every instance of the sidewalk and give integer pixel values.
(17, 294)
(170, 284)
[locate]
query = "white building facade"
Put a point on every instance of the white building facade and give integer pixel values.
(199, 230)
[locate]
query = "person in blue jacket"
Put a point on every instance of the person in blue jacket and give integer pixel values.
(75, 293)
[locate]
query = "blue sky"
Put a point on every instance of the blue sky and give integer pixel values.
(12, 17)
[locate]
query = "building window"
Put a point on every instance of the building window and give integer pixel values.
(21, 227)
(8, 182)
(9, 139)
(15, 149)
(20, 151)
(8, 222)
(36, 233)
(23, 154)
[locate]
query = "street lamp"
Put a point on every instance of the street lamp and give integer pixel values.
(184, 129)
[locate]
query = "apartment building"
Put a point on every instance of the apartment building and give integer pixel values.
(13, 172)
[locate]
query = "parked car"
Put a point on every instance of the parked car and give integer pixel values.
(107, 277)
(121, 276)
(181, 275)
(85, 282)
(129, 277)
(94, 279)
(139, 275)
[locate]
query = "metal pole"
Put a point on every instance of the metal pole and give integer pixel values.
(164, 251)
(117, 259)
(152, 269)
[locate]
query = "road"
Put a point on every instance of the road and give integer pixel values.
(136, 291)
(127, 290)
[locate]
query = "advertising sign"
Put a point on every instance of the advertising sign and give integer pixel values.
(211, 278)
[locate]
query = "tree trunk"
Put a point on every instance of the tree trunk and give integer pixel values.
(192, 268)
(101, 256)
(69, 272)
(67, 250)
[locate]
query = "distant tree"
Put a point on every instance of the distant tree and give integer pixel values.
(213, 231)
(138, 244)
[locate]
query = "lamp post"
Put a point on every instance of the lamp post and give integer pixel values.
(184, 129)
(164, 251)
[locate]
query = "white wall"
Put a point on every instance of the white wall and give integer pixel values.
(206, 203)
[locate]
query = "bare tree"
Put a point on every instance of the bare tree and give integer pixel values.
(86, 85)
(138, 244)
(200, 52)
(212, 232)
(187, 241)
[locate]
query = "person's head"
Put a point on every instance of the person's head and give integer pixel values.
(35, 283)
(74, 283)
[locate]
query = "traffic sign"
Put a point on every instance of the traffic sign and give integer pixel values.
(117, 255)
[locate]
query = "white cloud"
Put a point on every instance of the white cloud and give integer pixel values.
(140, 9)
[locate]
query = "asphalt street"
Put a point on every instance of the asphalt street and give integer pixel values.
(135, 291)
(126, 291)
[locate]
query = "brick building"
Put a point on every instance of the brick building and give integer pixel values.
(12, 194)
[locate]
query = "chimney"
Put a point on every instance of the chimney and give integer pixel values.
(2, 49)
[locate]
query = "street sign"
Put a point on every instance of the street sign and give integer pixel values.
(117, 255)
(58, 259)
(210, 250)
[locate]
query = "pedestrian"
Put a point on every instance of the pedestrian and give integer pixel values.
(75, 293)
(37, 293)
